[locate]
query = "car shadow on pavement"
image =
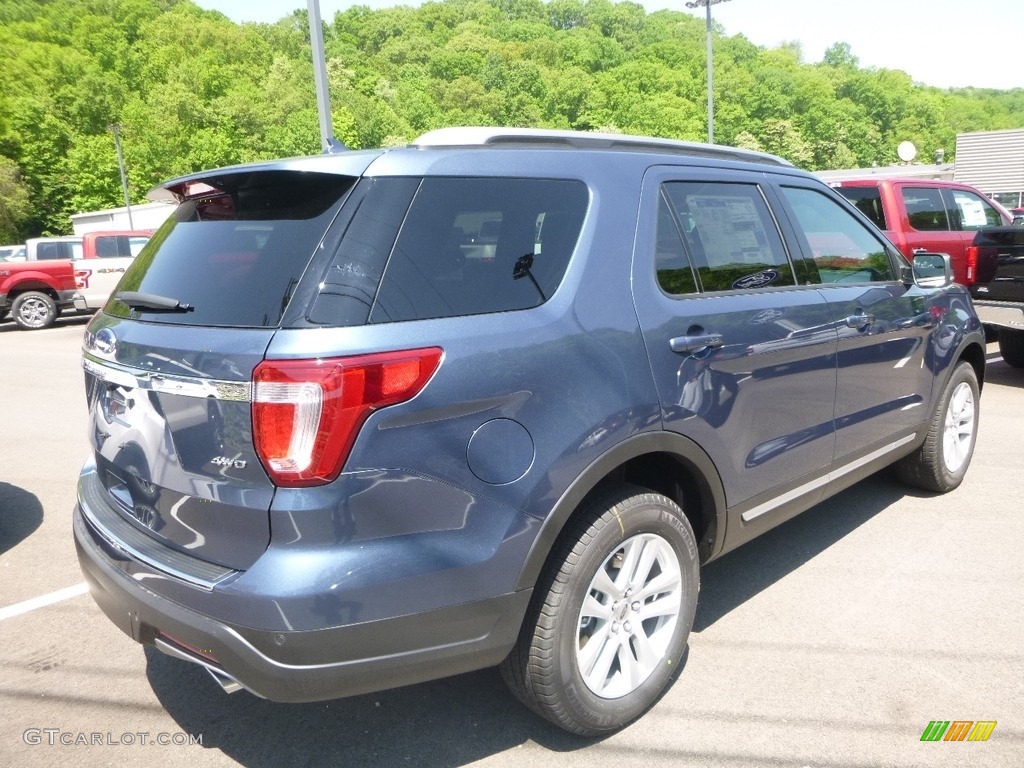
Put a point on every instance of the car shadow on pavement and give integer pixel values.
(458, 720)
(449, 722)
(743, 573)
(20, 514)
(998, 372)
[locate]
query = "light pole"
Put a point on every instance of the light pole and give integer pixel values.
(116, 128)
(711, 78)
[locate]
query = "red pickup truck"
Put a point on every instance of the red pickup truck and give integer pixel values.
(927, 215)
(35, 292)
(66, 273)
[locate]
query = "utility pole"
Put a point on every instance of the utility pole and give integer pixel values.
(711, 74)
(116, 128)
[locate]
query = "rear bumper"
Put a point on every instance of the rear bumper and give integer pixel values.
(352, 659)
(1003, 314)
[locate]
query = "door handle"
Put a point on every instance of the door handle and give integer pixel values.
(860, 320)
(686, 344)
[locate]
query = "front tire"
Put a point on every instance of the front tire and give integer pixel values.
(609, 622)
(942, 460)
(33, 310)
(1011, 347)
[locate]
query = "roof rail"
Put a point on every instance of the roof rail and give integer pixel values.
(483, 135)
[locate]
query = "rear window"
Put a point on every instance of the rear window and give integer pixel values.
(236, 253)
(448, 247)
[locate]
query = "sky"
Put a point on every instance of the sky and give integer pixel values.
(943, 43)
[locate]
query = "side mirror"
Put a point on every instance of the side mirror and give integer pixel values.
(929, 270)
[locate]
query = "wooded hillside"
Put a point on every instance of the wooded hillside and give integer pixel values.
(192, 90)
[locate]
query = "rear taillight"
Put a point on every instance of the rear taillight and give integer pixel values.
(82, 278)
(306, 413)
(972, 264)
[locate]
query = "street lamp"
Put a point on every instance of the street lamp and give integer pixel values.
(711, 88)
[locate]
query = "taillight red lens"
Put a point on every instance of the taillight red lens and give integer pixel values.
(972, 264)
(306, 413)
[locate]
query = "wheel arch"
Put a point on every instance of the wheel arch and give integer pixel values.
(663, 462)
(974, 354)
(30, 284)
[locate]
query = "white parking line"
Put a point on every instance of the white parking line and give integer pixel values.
(41, 602)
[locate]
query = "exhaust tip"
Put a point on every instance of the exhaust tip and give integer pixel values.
(224, 680)
(228, 683)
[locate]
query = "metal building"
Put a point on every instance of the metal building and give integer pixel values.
(993, 161)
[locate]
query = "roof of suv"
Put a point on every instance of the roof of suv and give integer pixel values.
(355, 162)
(534, 137)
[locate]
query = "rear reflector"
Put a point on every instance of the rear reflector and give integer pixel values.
(306, 413)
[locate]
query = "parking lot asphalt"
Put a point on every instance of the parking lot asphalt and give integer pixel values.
(833, 640)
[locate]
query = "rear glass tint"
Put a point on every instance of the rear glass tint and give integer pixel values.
(236, 254)
(471, 246)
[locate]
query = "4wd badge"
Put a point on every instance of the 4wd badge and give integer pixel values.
(224, 461)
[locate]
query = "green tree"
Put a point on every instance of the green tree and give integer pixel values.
(15, 204)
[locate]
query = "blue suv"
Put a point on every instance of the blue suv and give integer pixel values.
(372, 418)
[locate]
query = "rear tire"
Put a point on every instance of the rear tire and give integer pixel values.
(33, 310)
(611, 615)
(1011, 347)
(942, 460)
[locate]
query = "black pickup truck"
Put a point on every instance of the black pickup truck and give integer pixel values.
(997, 257)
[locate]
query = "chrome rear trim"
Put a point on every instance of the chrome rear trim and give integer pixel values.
(136, 378)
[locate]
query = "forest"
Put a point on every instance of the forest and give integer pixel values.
(190, 89)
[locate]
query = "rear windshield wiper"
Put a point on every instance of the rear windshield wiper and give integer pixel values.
(152, 301)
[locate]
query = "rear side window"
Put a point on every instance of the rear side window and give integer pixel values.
(868, 201)
(731, 237)
(844, 250)
(470, 246)
(107, 247)
(236, 253)
(925, 209)
(119, 246)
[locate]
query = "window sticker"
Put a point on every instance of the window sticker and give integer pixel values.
(730, 229)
